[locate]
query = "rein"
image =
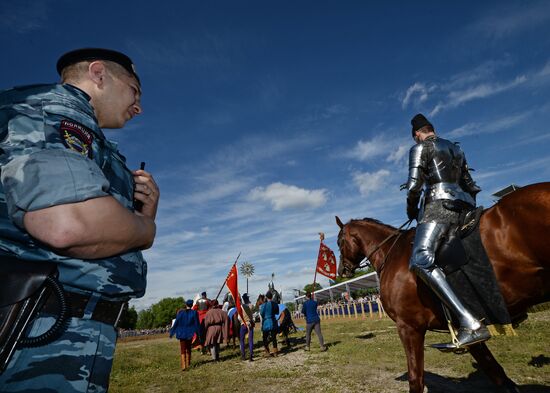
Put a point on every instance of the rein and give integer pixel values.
(396, 234)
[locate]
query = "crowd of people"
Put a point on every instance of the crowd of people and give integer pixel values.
(206, 325)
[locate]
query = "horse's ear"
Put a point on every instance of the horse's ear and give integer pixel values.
(340, 224)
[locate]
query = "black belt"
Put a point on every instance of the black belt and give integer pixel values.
(104, 311)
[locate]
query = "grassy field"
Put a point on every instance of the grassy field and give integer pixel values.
(364, 356)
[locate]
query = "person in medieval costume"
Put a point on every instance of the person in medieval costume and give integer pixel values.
(216, 323)
(438, 168)
(185, 326)
(246, 328)
(202, 305)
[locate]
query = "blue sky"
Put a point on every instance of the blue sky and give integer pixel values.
(264, 120)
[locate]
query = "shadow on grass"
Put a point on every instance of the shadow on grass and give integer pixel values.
(475, 382)
(367, 336)
(299, 343)
(539, 361)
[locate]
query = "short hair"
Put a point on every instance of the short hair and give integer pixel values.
(269, 295)
(75, 72)
(308, 294)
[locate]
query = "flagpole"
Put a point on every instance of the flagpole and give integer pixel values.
(221, 289)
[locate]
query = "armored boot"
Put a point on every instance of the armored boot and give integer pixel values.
(471, 331)
(428, 237)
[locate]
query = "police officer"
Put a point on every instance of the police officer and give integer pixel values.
(438, 167)
(67, 197)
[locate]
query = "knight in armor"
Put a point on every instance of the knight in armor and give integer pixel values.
(439, 175)
(202, 306)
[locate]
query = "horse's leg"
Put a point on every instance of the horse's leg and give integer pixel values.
(413, 342)
(492, 368)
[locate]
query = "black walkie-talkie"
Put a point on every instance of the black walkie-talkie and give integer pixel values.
(138, 205)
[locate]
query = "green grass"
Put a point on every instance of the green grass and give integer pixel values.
(364, 355)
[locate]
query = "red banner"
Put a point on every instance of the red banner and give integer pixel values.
(326, 262)
(234, 289)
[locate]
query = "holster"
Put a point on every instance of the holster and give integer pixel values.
(24, 288)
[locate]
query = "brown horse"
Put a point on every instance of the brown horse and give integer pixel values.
(514, 233)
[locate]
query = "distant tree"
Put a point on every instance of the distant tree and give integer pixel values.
(165, 310)
(291, 306)
(159, 314)
(309, 287)
(145, 319)
(128, 319)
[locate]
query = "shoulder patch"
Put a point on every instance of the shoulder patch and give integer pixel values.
(77, 137)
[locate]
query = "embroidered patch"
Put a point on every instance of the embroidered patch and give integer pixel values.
(77, 137)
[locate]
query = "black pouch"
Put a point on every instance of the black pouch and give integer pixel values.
(24, 288)
(451, 255)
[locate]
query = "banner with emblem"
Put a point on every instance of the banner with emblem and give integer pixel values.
(326, 262)
(233, 287)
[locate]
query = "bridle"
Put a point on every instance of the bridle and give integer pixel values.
(397, 234)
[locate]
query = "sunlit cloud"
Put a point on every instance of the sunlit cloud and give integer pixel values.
(370, 182)
(282, 196)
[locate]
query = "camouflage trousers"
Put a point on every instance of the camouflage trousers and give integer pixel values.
(79, 361)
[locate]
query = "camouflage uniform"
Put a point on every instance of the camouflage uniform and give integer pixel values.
(53, 152)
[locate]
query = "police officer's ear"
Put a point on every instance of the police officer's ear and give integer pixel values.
(97, 71)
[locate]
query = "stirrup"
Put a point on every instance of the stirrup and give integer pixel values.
(454, 345)
(461, 340)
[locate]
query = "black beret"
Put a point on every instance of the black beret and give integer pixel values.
(418, 122)
(90, 54)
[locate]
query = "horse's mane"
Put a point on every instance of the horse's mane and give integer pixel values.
(367, 220)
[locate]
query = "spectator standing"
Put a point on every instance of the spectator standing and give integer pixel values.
(286, 325)
(268, 311)
(185, 326)
(216, 323)
(309, 309)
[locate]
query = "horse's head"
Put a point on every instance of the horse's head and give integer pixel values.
(351, 253)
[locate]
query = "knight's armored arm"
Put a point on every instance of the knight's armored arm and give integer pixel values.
(415, 180)
(467, 183)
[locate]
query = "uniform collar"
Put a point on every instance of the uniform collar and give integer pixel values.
(84, 98)
(76, 90)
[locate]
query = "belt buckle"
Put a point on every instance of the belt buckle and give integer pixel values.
(120, 311)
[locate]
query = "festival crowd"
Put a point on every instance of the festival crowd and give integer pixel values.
(205, 325)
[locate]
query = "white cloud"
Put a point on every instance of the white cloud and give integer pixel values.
(418, 91)
(369, 182)
(365, 150)
(459, 97)
(398, 154)
(392, 149)
(493, 126)
(282, 196)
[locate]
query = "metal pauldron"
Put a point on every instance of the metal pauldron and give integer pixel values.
(450, 191)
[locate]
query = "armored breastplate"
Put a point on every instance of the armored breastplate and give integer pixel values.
(444, 173)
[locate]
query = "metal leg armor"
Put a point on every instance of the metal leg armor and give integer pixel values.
(427, 239)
